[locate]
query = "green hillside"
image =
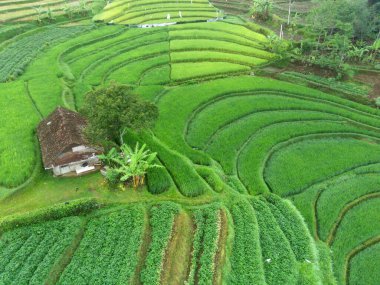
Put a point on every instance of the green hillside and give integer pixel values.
(262, 181)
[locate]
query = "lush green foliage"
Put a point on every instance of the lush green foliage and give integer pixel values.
(347, 154)
(28, 254)
(246, 260)
(353, 232)
(161, 222)
(18, 155)
(364, 267)
(155, 12)
(108, 252)
(279, 260)
(113, 110)
(25, 49)
(205, 245)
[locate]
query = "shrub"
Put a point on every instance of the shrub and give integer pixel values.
(75, 207)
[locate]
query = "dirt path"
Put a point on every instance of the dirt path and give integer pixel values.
(178, 253)
(221, 253)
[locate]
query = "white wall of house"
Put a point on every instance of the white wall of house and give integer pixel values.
(72, 167)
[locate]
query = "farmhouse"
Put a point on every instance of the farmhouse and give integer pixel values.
(64, 147)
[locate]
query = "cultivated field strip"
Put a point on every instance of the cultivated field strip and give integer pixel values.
(331, 204)
(135, 244)
(29, 255)
(18, 144)
(20, 11)
(133, 12)
(175, 54)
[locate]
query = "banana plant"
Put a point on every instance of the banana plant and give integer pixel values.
(130, 163)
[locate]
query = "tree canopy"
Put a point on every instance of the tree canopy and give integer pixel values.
(114, 109)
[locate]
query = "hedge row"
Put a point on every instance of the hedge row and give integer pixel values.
(58, 211)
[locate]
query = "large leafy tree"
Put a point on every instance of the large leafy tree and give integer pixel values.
(113, 110)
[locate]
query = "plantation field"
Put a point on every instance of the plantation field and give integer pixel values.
(132, 245)
(22, 11)
(262, 181)
(134, 12)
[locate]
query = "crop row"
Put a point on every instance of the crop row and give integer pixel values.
(24, 50)
(205, 123)
(253, 158)
(108, 252)
(228, 57)
(312, 200)
(280, 263)
(333, 200)
(205, 245)
(359, 225)
(136, 12)
(347, 152)
(161, 223)
(170, 126)
(364, 267)
(29, 254)
(246, 259)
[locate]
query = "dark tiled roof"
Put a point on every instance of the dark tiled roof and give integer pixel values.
(58, 133)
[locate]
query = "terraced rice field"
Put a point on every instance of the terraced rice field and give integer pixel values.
(264, 177)
(133, 244)
(30, 10)
(132, 12)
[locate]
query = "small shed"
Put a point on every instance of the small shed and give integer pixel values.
(64, 147)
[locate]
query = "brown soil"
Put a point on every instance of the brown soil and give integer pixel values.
(221, 253)
(143, 251)
(371, 79)
(178, 253)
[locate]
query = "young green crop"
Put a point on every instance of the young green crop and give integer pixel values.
(132, 73)
(191, 70)
(279, 260)
(298, 235)
(18, 145)
(253, 158)
(218, 45)
(364, 267)
(205, 245)
(246, 260)
(108, 252)
(144, 12)
(161, 222)
(28, 254)
(359, 225)
(333, 200)
(24, 50)
(347, 153)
